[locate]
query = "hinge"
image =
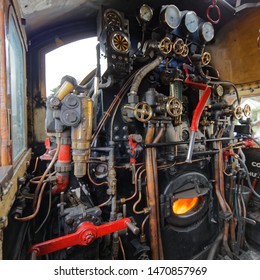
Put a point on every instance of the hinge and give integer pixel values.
(165, 208)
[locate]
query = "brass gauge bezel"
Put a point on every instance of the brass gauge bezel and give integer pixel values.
(166, 16)
(219, 90)
(145, 13)
(204, 30)
(120, 42)
(113, 18)
(186, 24)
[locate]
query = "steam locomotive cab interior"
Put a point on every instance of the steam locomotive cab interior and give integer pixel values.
(154, 154)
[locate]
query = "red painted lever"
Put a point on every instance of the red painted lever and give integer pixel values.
(202, 102)
(84, 235)
(198, 110)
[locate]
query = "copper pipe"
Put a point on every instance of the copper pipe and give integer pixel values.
(154, 237)
(136, 184)
(220, 192)
(143, 224)
(47, 171)
(5, 155)
(221, 168)
(30, 217)
(232, 222)
(137, 202)
(219, 196)
(225, 240)
(36, 181)
(159, 135)
(35, 165)
(91, 179)
(122, 248)
(120, 95)
(105, 203)
(155, 171)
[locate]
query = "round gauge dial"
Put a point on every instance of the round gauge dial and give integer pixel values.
(112, 18)
(219, 90)
(145, 13)
(120, 42)
(171, 16)
(191, 21)
(207, 31)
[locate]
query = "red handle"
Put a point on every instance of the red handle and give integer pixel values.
(202, 102)
(85, 234)
(216, 7)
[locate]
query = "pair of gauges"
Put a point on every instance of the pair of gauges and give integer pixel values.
(118, 40)
(172, 17)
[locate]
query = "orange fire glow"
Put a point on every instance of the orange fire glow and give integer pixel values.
(184, 205)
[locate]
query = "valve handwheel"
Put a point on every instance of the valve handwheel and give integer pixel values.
(178, 46)
(165, 45)
(143, 112)
(185, 51)
(206, 58)
(174, 107)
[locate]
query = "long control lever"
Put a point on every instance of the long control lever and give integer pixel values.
(85, 234)
(198, 110)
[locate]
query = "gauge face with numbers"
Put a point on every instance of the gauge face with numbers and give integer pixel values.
(145, 13)
(207, 31)
(171, 16)
(191, 21)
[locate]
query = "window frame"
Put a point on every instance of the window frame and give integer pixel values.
(10, 12)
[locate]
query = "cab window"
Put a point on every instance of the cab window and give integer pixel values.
(16, 85)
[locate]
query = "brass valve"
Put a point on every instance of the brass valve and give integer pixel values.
(185, 51)
(165, 45)
(143, 112)
(178, 46)
(206, 58)
(174, 107)
(247, 111)
(238, 112)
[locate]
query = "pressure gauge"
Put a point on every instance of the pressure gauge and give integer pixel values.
(145, 13)
(219, 90)
(207, 31)
(171, 16)
(112, 18)
(191, 21)
(120, 42)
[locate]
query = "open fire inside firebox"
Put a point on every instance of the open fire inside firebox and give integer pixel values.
(142, 159)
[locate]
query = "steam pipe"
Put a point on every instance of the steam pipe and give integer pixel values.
(155, 172)
(151, 195)
(142, 73)
(58, 140)
(186, 142)
(222, 193)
